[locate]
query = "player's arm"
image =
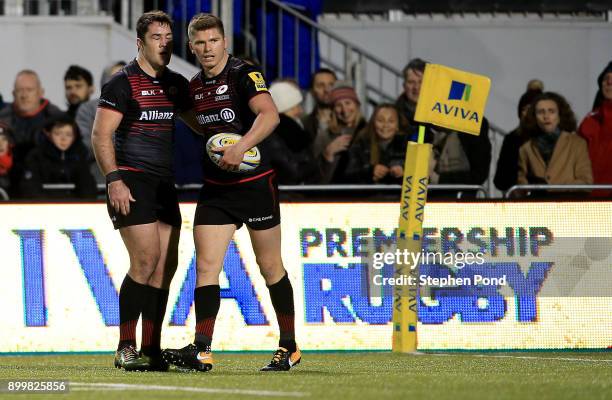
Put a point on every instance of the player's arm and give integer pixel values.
(105, 124)
(266, 121)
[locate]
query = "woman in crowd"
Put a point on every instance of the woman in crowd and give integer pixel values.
(554, 154)
(377, 156)
(346, 122)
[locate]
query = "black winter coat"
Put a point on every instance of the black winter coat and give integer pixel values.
(47, 164)
(360, 170)
(291, 157)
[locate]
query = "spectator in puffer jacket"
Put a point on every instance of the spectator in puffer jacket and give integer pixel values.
(290, 145)
(60, 158)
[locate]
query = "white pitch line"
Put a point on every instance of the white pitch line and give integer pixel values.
(527, 357)
(130, 386)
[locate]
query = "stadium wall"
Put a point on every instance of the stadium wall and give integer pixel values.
(48, 45)
(566, 55)
(63, 264)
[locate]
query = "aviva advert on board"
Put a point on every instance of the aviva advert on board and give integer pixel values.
(452, 99)
(63, 264)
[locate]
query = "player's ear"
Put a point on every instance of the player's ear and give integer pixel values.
(139, 43)
(191, 47)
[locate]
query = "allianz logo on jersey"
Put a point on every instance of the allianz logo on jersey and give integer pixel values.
(155, 115)
(226, 115)
(458, 91)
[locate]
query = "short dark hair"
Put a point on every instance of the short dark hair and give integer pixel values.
(567, 118)
(60, 120)
(322, 71)
(416, 64)
(146, 19)
(75, 72)
(202, 22)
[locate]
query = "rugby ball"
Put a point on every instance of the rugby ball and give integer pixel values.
(251, 159)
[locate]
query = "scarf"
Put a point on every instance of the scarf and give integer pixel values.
(545, 143)
(6, 162)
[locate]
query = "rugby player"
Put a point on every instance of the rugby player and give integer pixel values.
(231, 96)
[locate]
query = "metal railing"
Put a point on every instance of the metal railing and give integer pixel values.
(353, 65)
(568, 188)
(58, 7)
(340, 188)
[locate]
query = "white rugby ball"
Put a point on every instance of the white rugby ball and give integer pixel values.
(251, 159)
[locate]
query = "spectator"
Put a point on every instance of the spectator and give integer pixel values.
(596, 128)
(290, 143)
(457, 158)
(507, 164)
(26, 116)
(379, 152)
(407, 101)
(6, 157)
(1, 102)
(460, 158)
(86, 114)
(553, 154)
(78, 86)
(317, 122)
(346, 121)
(60, 158)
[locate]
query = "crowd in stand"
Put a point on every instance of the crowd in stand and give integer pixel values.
(333, 144)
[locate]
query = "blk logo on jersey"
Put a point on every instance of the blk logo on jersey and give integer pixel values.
(155, 115)
(222, 89)
(151, 92)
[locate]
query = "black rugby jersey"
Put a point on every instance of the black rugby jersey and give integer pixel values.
(144, 140)
(221, 104)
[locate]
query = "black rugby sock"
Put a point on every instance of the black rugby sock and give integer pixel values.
(207, 302)
(281, 294)
(130, 306)
(153, 311)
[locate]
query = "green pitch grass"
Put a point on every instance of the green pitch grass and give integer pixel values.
(362, 376)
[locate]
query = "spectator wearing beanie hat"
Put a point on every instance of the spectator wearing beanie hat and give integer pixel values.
(289, 144)
(506, 173)
(596, 128)
(332, 148)
(288, 98)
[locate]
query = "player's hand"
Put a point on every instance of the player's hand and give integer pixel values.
(232, 157)
(380, 171)
(120, 197)
(341, 143)
(396, 171)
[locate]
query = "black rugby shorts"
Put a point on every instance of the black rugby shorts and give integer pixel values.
(156, 200)
(253, 202)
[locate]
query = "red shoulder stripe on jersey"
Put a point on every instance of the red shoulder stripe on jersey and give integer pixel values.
(252, 178)
(129, 168)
